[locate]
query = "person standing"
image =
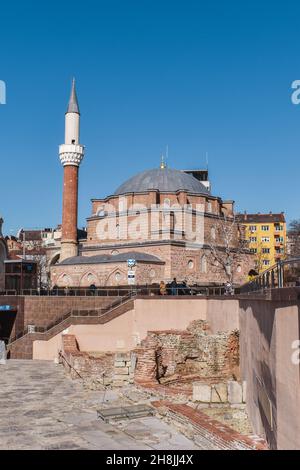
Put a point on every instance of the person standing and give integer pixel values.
(173, 286)
(162, 288)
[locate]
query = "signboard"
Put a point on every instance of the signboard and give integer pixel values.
(5, 308)
(131, 263)
(131, 277)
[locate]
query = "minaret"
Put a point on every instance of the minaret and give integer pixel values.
(70, 154)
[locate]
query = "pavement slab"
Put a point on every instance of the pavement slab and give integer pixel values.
(42, 408)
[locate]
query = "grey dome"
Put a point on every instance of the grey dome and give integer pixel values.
(164, 180)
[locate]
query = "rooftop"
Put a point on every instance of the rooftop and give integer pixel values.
(164, 180)
(261, 218)
(119, 258)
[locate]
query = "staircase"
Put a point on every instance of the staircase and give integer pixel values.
(21, 346)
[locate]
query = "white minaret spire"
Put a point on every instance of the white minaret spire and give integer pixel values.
(71, 152)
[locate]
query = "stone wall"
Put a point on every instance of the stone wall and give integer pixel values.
(105, 274)
(179, 261)
(228, 392)
(96, 370)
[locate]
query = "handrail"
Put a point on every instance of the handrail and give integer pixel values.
(118, 291)
(272, 278)
(87, 313)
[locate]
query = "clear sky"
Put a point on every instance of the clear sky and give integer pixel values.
(199, 76)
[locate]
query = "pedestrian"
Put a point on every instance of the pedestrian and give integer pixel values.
(173, 286)
(162, 288)
(228, 288)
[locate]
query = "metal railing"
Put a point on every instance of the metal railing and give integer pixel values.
(98, 292)
(97, 312)
(282, 274)
(119, 291)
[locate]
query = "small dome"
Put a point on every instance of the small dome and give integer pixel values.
(163, 180)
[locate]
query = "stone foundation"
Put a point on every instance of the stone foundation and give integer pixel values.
(230, 392)
(96, 370)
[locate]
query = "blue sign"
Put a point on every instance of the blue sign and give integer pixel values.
(5, 308)
(131, 263)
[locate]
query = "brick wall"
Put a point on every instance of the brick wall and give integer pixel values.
(40, 311)
(83, 365)
(176, 259)
(168, 356)
(96, 370)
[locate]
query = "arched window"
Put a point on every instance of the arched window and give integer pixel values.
(90, 278)
(203, 264)
(101, 212)
(213, 233)
(190, 264)
(66, 280)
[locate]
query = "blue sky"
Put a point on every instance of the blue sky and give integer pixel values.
(199, 76)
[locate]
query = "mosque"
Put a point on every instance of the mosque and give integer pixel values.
(157, 225)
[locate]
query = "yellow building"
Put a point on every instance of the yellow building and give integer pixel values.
(266, 234)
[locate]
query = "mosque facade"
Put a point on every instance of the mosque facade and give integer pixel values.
(158, 225)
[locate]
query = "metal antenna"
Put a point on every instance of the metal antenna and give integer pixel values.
(206, 159)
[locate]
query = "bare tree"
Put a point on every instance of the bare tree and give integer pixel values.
(227, 246)
(260, 257)
(43, 277)
(294, 238)
(292, 272)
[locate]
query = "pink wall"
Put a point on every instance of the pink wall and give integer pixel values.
(127, 330)
(267, 331)
(223, 314)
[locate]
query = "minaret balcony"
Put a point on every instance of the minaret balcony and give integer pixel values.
(71, 154)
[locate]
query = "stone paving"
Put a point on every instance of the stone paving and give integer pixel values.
(42, 408)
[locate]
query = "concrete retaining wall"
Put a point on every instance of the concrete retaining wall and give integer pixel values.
(269, 335)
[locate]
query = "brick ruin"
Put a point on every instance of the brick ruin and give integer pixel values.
(170, 357)
(96, 369)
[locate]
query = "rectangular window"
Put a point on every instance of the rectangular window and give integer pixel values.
(253, 250)
(265, 228)
(253, 239)
(278, 228)
(266, 250)
(252, 228)
(265, 239)
(266, 262)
